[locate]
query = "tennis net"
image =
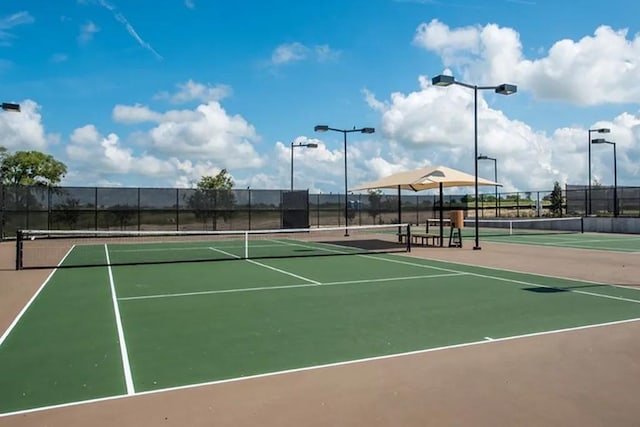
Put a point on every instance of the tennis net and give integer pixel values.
(82, 248)
(515, 227)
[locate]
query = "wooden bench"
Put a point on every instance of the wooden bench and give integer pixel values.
(425, 238)
(422, 238)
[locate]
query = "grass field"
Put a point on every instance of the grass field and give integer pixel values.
(100, 332)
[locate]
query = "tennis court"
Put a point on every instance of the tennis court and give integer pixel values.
(550, 232)
(105, 331)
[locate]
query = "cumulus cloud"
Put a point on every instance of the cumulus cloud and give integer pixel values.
(434, 126)
(194, 91)
(23, 130)
(607, 62)
(181, 146)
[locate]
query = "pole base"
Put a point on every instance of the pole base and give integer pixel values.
(476, 248)
(346, 234)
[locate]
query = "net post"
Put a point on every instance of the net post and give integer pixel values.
(510, 228)
(246, 245)
(408, 237)
(19, 239)
(581, 224)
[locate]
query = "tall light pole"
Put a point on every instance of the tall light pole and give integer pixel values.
(615, 173)
(300, 144)
(601, 130)
(503, 89)
(495, 175)
(325, 128)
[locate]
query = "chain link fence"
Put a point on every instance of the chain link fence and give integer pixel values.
(103, 208)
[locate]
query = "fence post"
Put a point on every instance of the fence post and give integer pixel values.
(95, 208)
(177, 209)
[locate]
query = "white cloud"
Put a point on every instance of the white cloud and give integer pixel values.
(289, 52)
(194, 91)
(23, 130)
(607, 63)
(435, 126)
(296, 52)
(182, 145)
(87, 31)
(11, 21)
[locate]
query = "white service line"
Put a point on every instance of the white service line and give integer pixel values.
(128, 378)
(301, 285)
(502, 279)
(267, 266)
(325, 366)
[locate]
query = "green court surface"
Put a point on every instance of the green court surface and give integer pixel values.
(589, 241)
(100, 332)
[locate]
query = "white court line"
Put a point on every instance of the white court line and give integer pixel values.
(297, 276)
(301, 285)
(559, 244)
(325, 366)
(571, 279)
(503, 279)
(26, 307)
(128, 378)
(267, 266)
(184, 248)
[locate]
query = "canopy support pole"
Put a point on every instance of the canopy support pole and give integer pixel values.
(441, 218)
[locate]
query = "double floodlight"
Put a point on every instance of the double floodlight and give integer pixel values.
(601, 141)
(444, 80)
(325, 128)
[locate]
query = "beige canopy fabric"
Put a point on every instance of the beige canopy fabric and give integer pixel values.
(425, 179)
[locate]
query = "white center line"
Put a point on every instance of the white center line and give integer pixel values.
(128, 378)
(267, 266)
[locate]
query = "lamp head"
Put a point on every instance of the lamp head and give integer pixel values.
(601, 141)
(603, 130)
(321, 128)
(368, 130)
(312, 145)
(506, 89)
(483, 157)
(442, 80)
(9, 106)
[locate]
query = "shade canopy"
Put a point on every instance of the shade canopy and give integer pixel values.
(426, 179)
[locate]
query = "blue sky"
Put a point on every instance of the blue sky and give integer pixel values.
(159, 93)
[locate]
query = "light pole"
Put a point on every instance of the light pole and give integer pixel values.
(324, 128)
(601, 130)
(615, 173)
(495, 175)
(300, 144)
(503, 89)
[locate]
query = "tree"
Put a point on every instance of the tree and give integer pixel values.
(375, 197)
(556, 200)
(30, 168)
(213, 198)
